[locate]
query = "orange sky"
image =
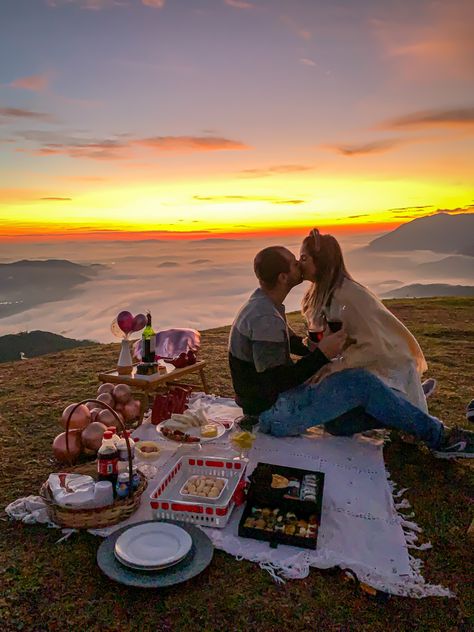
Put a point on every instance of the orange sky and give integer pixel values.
(136, 119)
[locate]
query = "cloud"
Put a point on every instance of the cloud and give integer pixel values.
(99, 150)
(361, 149)
(90, 5)
(246, 198)
(456, 211)
(409, 208)
(300, 31)
(307, 62)
(168, 264)
(438, 45)
(455, 117)
(239, 4)
(156, 4)
(35, 83)
(99, 5)
(186, 144)
(57, 199)
(122, 146)
(274, 170)
(20, 113)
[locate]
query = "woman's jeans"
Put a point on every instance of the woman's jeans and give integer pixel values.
(363, 401)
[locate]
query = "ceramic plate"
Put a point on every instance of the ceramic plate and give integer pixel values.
(195, 431)
(137, 567)
(197, 559)
(153, 544)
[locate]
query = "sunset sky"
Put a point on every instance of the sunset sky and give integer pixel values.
(131, 118)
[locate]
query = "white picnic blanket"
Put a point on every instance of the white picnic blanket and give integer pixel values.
(362, 528)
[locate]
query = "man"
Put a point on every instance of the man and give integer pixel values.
(271, 388)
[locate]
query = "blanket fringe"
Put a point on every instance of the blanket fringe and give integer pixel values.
(273, 570)
(415, 585)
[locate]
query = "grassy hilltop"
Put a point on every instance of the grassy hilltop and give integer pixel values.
(49, 586)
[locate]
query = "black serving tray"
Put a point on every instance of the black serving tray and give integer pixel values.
(301, 508)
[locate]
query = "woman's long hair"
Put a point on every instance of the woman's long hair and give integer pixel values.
(330, 271)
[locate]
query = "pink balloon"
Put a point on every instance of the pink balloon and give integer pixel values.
(138, 322)
(125, 321)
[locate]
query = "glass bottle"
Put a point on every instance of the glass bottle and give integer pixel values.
(148, 341)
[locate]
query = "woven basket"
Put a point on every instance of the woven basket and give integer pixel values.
(96, 517)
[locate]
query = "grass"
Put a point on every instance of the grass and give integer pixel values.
(50, 586)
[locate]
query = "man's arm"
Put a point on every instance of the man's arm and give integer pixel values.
(283, 377)
(296, 344)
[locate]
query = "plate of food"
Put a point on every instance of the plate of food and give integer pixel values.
(191, 427)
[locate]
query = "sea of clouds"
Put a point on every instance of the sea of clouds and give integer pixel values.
(199, 284)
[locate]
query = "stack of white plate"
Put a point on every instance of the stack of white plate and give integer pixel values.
(152, 546)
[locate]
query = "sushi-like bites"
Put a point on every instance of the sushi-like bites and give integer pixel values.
(250, 522)
(260, 523)
(290, 529)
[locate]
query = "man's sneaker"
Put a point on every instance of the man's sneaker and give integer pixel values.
(470, 411)
(429, 387)
(458, 444)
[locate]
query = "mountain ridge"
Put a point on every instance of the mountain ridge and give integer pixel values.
(442, 232)
(36, 343)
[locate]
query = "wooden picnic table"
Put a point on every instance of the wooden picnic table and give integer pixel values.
(148, 384)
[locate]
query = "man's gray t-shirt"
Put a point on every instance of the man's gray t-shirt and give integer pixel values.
(259, 334)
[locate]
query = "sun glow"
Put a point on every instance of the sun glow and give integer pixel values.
(196, 208)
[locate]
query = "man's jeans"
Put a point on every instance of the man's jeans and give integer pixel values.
(305, 406)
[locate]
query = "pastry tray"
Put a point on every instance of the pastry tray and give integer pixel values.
(169, 504)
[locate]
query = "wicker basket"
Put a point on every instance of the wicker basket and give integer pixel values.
(96, 517)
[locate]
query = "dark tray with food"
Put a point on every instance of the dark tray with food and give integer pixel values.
(283, 506)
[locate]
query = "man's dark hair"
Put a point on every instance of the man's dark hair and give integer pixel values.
(269, 263)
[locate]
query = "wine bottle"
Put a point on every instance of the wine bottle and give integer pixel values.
(148, 341)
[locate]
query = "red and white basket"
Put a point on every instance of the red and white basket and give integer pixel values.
(168, 503)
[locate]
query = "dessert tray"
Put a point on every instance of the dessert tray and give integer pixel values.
(174, 499)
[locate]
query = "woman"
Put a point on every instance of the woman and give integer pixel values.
(379, 342)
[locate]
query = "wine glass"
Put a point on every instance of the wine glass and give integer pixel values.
(316, 327)
(241, 440)
(335, 320)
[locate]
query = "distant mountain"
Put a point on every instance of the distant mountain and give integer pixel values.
(35, 343)
(418, 290)
(24, 284)
(449, 267)
(441, 233)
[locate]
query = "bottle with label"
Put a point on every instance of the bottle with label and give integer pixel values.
(107, 459)
(148, 341)
(115, 436)
(122, 446)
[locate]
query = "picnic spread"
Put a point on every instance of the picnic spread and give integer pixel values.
(187, 479)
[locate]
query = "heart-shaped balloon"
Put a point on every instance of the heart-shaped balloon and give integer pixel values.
(125, 322)
(138, 322)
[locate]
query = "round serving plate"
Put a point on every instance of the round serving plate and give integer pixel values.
(195, 431)
(195, 561)
(153, 544)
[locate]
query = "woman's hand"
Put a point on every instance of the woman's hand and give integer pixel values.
(310, 344)
(332, 345)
